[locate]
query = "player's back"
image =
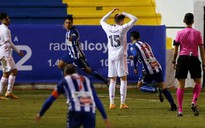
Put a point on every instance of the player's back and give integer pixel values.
(147, 57)
(117, 41)
(78, 92)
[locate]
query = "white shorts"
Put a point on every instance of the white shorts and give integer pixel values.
(117, 67)
(8, 64)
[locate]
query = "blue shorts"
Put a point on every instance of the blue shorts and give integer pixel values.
(78, 119)
(149, 78)
(80, 62)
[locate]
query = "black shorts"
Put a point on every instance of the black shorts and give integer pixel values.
(188, 63)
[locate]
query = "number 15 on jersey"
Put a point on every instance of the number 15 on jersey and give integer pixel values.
(114, 40)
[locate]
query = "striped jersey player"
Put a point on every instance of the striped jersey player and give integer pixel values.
(152, 70)
(75, 54)
(117, 53)
(81, 98)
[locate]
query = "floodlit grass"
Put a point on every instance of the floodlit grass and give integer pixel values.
(145, 111)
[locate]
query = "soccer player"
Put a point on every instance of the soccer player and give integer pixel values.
(7, 61)
(75, 54)
(81, 99)
(117, 53)
(152, 70)
(189, 40)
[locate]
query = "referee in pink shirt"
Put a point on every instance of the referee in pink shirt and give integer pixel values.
(189, 40)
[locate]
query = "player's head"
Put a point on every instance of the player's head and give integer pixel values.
(68, 23)
(119, 19)
(4, 18)
(69, 69)
(189, 19)
(134, 35)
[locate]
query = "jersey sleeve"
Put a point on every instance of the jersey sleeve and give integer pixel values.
(177, 40)
(7, 37)
(103, 21)
(200, 40)
(135, 54)
(132, 21)
(98, 102)
(75, 35)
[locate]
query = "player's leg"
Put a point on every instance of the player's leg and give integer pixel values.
(12, 78)
(96, 74)
(180, 95)
(83, 64)
(122, 71)
(143, 82)
(3, 83)
(168, 96)
(195, 71)
(66, 59)
(112, 92)
(112, 74)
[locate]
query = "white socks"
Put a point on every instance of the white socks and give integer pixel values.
(11, 82)
(123, 90)
(3, 82)
(112, 91)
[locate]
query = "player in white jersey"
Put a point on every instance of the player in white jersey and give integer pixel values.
(7, 61)
(117, 53)
(152, 70)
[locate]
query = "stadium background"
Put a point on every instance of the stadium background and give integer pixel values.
(37, 29)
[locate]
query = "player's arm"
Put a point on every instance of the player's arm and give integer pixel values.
(201, 48)
(74, 35)
(100, 106)
(47, 105)
(135, 59)
(54, 95)
(103, 20)
(176, 44)
(132, 21)
(7, 37)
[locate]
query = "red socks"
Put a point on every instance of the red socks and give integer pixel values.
(180, 96)
(196, 93)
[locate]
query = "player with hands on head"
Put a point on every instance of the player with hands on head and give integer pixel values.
(7, 61)
(117, 53)
(81, 98)
(152, 70)
(189, 40)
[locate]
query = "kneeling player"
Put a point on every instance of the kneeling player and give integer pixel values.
(152, 70)
(75, 54)
(81, 99)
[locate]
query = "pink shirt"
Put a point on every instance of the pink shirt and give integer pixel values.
(189, 40)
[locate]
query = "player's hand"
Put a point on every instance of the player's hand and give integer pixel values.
(21, 54)
(135, 71)
(114, 9)
(107, 124)
(174, 66)
(38, 118)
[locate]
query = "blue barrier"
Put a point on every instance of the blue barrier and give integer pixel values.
(44, 45)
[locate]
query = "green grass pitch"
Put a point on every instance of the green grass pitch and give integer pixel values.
(145, 111)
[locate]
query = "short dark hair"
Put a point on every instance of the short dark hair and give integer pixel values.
(119, 17)
(135, 35)
(69, 69)
(189, 18)
(3, 16)
(69, 17)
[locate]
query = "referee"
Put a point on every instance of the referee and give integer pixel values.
(189, 40)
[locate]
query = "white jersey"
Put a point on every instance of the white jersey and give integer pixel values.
(6, 44)
(117, 36)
